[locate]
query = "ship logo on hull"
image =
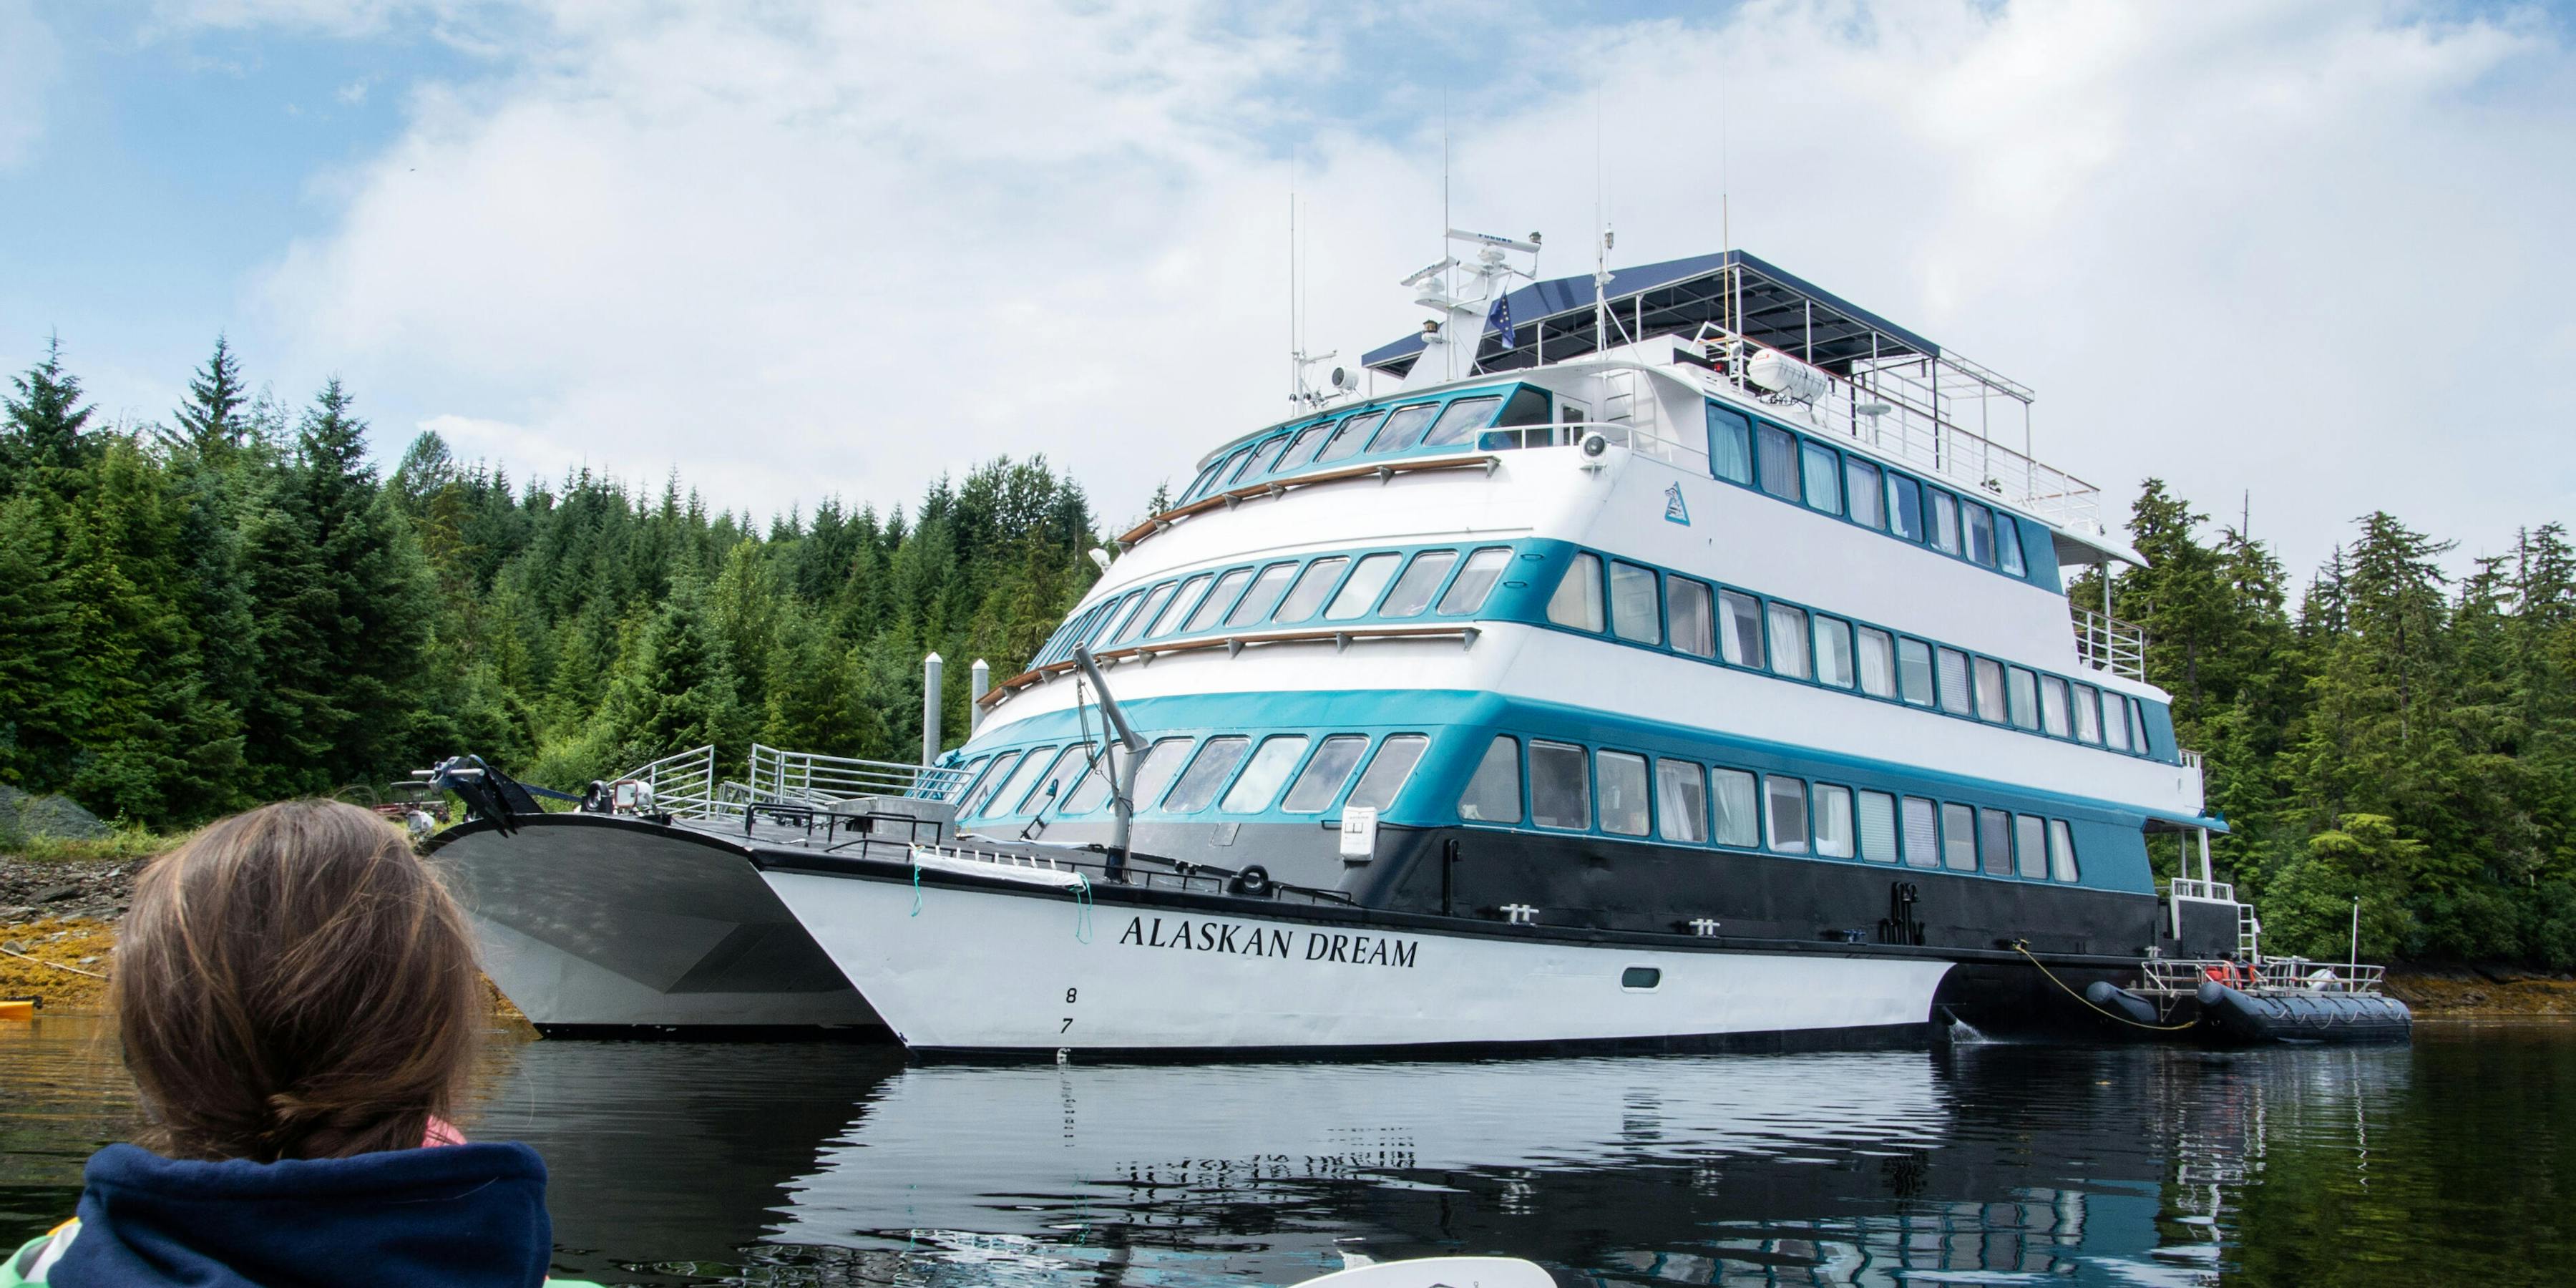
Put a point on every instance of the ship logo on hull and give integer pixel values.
(1674, 510)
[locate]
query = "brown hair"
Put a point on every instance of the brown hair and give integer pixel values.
(295, 983)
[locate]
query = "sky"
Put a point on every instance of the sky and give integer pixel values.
(2303, 259)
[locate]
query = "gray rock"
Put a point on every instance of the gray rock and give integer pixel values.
(59, 893)
(60, 816)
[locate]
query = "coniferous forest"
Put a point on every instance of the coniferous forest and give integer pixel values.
(238, 605)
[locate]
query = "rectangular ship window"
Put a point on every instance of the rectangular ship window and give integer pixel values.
(2061, 851)
(1914, 671)
(1860, 486)
(2008, 544)
(1399, 429)
(2024, 690)
(1779, 462)
(1154, 603)
(1730, 449)
(1990, 690)
(1922, 834)
(1877, 827)
(1981, 532)
(1577, 601)
(1467, 592)
(1958, 838)
(2088, 714)
(1877, 663)
(1681, 801)
(1493, 795)
(1945, 521)
(1560, 786)
(1688, 618)
(1460, 422)
(1904, 507)
(1789, 641)
(1994, 841)
(2115, 721)
(1833, 821)
(1785, 808)
(1636, 603)
(1346, 444)
(1264, 595)
(1413, 590)
(1360, 592)
(2030, 847)
(1220, 597)
(1954, 682)
(1623, 793)
(2052, 706)
(1742, 631)
(1731, 796)
(1394, 763)
(2138, 740)
(1207, 772)
(1823, 476)
(1833, 651)
(1301, 450)
(1325, 772)
(1308, 594)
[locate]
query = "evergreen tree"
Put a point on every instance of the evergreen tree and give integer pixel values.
(43, 443)
(211, 421)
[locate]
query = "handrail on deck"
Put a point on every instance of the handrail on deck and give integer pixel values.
(1232, 497)
(805, 777)
(1340, 637)
(2106, 643)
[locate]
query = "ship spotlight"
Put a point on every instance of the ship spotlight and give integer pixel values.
(1341, 378)
(1595, 444)
(1100, 557)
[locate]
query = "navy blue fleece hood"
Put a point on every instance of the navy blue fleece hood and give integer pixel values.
(463, 1216)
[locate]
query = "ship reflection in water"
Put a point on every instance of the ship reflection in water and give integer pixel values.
(838, 1164)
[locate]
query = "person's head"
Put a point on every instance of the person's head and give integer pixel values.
(294, 983)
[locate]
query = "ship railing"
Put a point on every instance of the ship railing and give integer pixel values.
(816, 779)
(2191, 888)
(1904, 411)
(2106, 643)
(683, 784)
(2182, 976)
(1644, 440)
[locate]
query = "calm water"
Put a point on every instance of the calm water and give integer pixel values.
(2452, 1162)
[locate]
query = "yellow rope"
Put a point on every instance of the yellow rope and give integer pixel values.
(2021, 947)
(56, 965)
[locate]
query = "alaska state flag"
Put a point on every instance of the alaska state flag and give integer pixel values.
(1499, 319)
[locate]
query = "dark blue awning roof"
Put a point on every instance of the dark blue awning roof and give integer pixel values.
(1781, 310)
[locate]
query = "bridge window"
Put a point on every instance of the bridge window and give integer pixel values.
(1413, 590)
(2115, 721)
(1163, 760)
(1779, 462)
(1877, 827)
(1681, 801)
(1877, 662)
(2024, 690)
(1730, 449)
(1347, 442)
(1207, 772)
(1493, 794)
(1394, 763)
(1860, 485)
(1742, 634)
(1990, 690)
(1475, 581)
(2138, 727)
(1220, 597)
(1785, 808)
(1527, 407)
(1259, 462)
(1945, 522)
(2030, 847)
(1145, 615)
(1560, 786)
(1981, 532)
(1833, 821)
(1361, 590)
(1958, 838)
(992, 784)
(1460, 422)
(1833, 651)
(1823, 476)
(1994, 841)
(2088, 714)
(1922, 834)
(1312, 585)
(1577, 601)
(2008, 544)
(1258, 601)
(1914, 671)
(1325, 773)
(1731, 795)
(1688, 618)
(1904, 507)
(1127, 620)
(2052, 706)
(1179, 607)
(1301, 450)
(1788, 641)
(1399, 429)
(1200, 484)
(1050, 785)
(1253, 792)
(1623, 793)
(1032, 766)
(2061, 851)
(1636, 610)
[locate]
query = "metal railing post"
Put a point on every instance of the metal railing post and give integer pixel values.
(979, 681)
(930, 667)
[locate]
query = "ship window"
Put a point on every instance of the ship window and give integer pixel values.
(1361, 590)
(1255, 465)
(1904, 507)
(1945, 522)
(1031, 767)
(1225, 470)
(2088, 714)
(1687, 617)
(1922, 834)
(1914, 671)
(1050, 785)
(1266, 589)
(1954, 682)
(1346, 444)
(1681, 801)
(1730, 454)
(1145, 616)
(1467, 593)
(2052, 706)
(1162, 760)
(1958, 838)
(1623, 793)
(1990, 690)
(1577, 601)
(2008, 544)
(2061, 851)
(1527, 407)
(2138, 741)
(1253, 792)
(1731, 795)
(1493, 795)
(2023, 687)
(2115, 721)
(1641, 977)
(1394, 763)
(1877, 827)
(1785, 808)
(1199, 484)
(1219, 597)
(1833, 821)
(1325, 773)
(1097, 778)
(1994, 841)
(1312, 585)
(1981, 532)
(1127, 620)
(1460, 422)
(1301, 451)
(1860, 485)
(1560, 786)
(1635, 609)
(1789, 641)
(993, 780)
(1779, 462)
(2030, 847)
(1833, 651)
(1877, 663)
(1742, 634)
(1824, 477)
(1207, 772)
(1100, 625)
(1178, 608)
(1412, 591)
(1398, 431)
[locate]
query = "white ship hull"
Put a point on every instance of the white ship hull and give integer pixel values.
(988, 968)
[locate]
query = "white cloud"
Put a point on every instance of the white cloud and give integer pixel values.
(2310, 248)
(34, 64)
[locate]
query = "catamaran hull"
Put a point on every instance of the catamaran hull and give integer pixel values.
(989, 969)
(598, 925)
